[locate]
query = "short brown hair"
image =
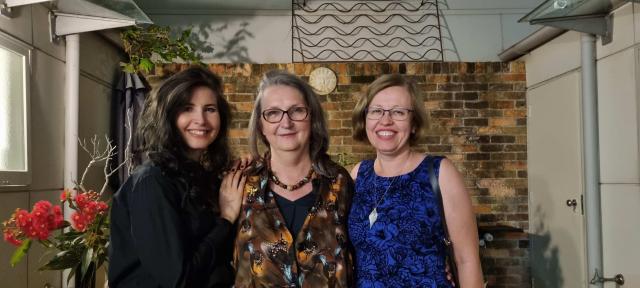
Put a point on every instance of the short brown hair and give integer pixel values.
(418, 117)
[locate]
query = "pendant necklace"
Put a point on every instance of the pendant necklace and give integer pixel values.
(373, 216)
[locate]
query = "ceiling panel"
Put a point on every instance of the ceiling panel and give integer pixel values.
(164, 6)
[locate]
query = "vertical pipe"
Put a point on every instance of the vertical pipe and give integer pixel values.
(591, 156)
(71, 96)
(72, 80)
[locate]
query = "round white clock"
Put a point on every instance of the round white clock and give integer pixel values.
(323, 80)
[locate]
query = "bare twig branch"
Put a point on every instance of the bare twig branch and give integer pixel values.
(83, 145)
(107, 169)
(98, 154)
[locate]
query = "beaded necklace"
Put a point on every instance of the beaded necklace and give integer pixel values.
(293, 187)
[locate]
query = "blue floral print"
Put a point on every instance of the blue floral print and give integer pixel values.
(403, 248)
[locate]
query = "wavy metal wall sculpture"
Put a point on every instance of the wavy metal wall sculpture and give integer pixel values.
(371, 30)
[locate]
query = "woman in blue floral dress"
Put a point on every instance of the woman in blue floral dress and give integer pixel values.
(395, 223)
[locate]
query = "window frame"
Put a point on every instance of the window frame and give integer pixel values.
(10, 180)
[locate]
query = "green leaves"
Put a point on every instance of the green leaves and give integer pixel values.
(20, 252)
(154, 44)
(63, 260)
(145, 65)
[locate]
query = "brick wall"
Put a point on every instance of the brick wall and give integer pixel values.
(477, 119)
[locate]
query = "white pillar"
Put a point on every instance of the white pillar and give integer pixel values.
(71, 96)
(72, 82)
(591, 156)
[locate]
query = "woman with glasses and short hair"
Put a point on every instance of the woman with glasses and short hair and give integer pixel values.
(292, 224)
(395, 224)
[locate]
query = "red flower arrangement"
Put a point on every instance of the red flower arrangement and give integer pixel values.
(88, 207)
(45, 218)
(36, 225)
(82, 247)
(83, 240)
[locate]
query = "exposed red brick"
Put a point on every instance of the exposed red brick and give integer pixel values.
(477, 120)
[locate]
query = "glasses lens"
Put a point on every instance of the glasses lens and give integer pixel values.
(375, 113)
(399, 114)
(298, 113)
(272, 115)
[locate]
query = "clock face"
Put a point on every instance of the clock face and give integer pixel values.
(323, 80)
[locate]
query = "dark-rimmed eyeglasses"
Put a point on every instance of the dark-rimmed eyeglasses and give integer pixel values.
(275, 115)
(398, 114)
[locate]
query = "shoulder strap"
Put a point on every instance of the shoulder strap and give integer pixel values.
(453, 269)
(435, 185)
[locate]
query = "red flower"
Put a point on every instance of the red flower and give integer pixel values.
(43, 206)
(58, 219)
(43, 234)
(23, 218)
(102, 206)
(81, 200)
(64, 195)
(78, 221)
(10, 236)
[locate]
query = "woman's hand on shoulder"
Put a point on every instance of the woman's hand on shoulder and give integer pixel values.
(231, 190)
(243, 162)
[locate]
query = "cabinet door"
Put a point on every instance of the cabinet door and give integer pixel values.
(618, 118)
(555, 176)
(618, 107)
(620, 232)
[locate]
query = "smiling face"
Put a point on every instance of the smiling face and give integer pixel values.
(285, 135)
(390, 136)
(199, 122)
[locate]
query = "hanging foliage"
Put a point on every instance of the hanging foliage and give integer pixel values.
(155, 44)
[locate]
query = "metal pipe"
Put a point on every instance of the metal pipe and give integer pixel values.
(71, 112)
(72, 81)
(591, 155)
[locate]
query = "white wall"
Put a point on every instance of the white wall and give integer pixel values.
(472, 30)
(618, 68)
(619, 123)
(99, 65)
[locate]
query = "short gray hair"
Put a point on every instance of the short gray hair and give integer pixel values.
(319, 139)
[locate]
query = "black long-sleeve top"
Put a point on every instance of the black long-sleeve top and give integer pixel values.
(162, 237)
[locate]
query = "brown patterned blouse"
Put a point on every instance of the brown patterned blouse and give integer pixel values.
(321, 256)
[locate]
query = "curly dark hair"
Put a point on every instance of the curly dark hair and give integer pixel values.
(161, 141)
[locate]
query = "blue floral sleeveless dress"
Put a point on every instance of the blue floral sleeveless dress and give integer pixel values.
(403, 248)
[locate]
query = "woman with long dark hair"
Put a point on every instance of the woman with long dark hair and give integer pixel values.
(171, 221)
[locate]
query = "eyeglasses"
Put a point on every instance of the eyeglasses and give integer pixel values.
(275, 115)
(398, 114)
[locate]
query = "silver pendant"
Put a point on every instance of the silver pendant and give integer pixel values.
(373, 216)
